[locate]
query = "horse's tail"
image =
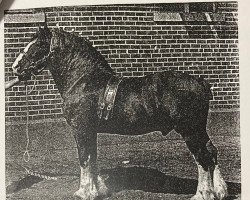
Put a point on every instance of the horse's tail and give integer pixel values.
(207, 88)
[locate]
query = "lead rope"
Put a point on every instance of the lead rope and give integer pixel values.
(26, 155)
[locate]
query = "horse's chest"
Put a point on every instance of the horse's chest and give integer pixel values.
(79, 110)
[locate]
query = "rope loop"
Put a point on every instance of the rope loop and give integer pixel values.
(26, 156)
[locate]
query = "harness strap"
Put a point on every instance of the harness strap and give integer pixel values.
(107, 102)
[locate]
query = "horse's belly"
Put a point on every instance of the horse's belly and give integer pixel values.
(138, 127)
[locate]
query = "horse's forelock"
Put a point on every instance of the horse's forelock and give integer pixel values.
(43, 34)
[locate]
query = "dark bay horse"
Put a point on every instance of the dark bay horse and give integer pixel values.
(158, 102)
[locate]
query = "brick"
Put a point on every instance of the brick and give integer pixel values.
(20, 113)
(33, 112)
(101, 18)
(64, 23)
(45, 111)
(134, 45)
(84, 18)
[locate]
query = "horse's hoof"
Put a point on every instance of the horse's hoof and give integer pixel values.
(220, 191)
(78, 194)
(203, 195)
(85, 194)
(102, 188)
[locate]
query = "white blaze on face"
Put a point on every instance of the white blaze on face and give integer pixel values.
(20, 57)
(29, 45)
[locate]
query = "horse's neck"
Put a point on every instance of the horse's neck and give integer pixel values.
(76, 62)
(73, 70)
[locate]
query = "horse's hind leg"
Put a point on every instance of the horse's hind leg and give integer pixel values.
(210, 183)
(220, 186)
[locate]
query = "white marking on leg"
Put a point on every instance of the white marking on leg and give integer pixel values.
(87, 188)
(205, 189)
(102, 188)
(84, 176)
(220, 186)
(205, 182)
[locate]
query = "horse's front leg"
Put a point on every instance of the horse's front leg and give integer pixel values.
(91, 184)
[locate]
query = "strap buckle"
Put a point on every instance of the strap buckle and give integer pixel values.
(102, 106)
(109, 107)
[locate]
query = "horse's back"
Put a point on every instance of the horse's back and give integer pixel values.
(166, 83)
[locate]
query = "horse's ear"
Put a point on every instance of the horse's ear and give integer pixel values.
(55, 43)
(40, 30)
(44, 32)
(45, 21)
(46, 28)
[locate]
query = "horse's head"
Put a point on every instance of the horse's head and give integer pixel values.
(32, 59)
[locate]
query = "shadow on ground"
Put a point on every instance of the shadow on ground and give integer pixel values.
(24, 183)
(128, 183)
(151, 180)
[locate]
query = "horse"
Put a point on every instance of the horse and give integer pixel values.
(162, 101)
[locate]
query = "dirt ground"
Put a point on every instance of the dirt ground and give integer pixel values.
(140, 167)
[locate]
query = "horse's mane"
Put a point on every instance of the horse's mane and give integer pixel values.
(80, 45)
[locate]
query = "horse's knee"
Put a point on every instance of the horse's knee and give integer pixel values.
(206, 155)
(86, 143)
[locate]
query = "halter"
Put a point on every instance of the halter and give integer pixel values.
(32, 65)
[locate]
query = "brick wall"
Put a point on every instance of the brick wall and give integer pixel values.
(136, 40)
